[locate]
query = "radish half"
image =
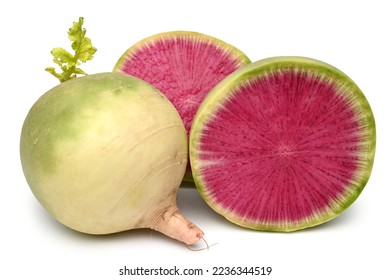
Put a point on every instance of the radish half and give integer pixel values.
(106, 153)
(184, 66)
(283, 144)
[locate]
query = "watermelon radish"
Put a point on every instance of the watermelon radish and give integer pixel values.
(283, 144)
(106, 153)
(183, 65)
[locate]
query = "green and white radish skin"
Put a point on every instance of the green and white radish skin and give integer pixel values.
(106, 153)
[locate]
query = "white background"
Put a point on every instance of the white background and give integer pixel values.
(354, 36)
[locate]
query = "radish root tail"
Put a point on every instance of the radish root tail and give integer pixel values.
(207, 246)
(173, 224)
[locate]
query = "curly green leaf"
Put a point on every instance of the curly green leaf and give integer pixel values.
(67, 62)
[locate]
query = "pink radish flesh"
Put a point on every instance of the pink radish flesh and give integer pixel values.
(287, 145)
(183, 69)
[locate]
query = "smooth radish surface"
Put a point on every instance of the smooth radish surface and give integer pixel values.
(106, 153)
(283, 144)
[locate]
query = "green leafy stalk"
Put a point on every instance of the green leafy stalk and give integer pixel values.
(68, 63)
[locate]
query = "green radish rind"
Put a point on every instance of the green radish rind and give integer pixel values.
(221, 94)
